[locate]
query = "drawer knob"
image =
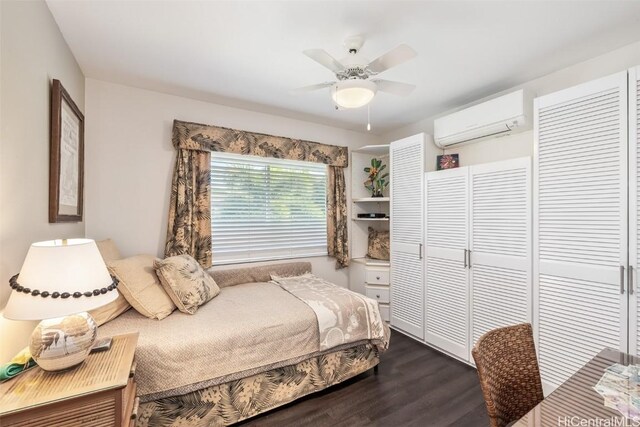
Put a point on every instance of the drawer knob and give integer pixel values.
(377, 295)
(377, 277)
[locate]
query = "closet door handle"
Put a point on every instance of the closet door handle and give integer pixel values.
(622, 279)
(465, 258)
(420, 249)
(469, 252)
(631, 285)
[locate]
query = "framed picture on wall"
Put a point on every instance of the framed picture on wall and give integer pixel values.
(66, 157)
(447, 161)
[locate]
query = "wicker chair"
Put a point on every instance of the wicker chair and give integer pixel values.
(509, 373)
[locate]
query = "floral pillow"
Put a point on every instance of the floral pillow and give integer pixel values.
(186, 282)
(378, 244)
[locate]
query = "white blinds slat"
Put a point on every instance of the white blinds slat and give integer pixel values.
(263, 208)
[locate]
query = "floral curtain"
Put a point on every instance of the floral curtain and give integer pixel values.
(194, 136)
(337, 231)
(189, 229)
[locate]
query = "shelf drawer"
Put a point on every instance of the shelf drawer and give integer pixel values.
(376, 276)
(379, 294)
(384, 312)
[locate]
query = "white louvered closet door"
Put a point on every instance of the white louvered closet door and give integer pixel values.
(634, 206)
(580, 221)
(500, 244)
(446, 284)
(407, 289)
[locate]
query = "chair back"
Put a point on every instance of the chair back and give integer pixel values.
(509, 373)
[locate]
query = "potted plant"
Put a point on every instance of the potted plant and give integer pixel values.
(377, 181)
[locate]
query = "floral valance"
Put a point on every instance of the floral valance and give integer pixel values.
(194, 136)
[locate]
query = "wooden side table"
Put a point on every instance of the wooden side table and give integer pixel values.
(100, 392)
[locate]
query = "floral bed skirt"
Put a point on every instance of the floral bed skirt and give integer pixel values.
(237, 400)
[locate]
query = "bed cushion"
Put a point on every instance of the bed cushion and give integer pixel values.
(140, 286)
(186, 283)
(261, 273)
(245, 328)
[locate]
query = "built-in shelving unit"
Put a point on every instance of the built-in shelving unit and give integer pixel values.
(371, 199)
(371, 262)
(368, 276)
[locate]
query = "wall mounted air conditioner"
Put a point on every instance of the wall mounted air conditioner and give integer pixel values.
(500, 116)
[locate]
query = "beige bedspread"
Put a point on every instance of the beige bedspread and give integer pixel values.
(246, 329)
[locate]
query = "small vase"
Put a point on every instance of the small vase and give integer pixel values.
(63, 342)
(376, 193)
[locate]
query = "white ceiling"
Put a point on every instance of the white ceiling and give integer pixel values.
(248, 54)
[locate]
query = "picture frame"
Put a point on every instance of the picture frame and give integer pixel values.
(447, 161)
(66, 157)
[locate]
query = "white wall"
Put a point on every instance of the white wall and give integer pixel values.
(32, 53)
(131, 160)
(520, 145)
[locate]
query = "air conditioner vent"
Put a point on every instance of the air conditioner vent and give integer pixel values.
(506, 114)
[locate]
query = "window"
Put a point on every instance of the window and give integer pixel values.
(265, 208)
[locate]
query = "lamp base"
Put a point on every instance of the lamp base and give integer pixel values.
(63, 342)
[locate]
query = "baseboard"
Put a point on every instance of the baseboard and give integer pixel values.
(439, 350)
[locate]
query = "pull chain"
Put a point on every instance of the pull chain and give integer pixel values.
(368, 116)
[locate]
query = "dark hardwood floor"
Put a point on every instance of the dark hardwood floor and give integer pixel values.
(415, 386)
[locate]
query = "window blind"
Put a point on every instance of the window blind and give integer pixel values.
(266, 209)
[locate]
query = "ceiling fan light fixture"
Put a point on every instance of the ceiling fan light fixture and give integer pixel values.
(354, 93)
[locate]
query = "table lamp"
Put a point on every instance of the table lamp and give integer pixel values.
(59, 282)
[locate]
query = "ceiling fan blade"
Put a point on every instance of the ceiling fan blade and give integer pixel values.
(310, 88)
(323, 58)
(394, 57)
(395, 88)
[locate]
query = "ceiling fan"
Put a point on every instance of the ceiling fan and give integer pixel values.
(355, 86)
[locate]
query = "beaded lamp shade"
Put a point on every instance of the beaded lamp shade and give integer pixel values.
(59, 282)
(58, 278)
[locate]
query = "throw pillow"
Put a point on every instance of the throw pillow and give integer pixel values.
(141, 287)
(378, 244)
(108, 250)
(186, 282)
(110, 311)
(115, 308)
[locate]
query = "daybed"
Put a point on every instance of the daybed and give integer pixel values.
(252, 348)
